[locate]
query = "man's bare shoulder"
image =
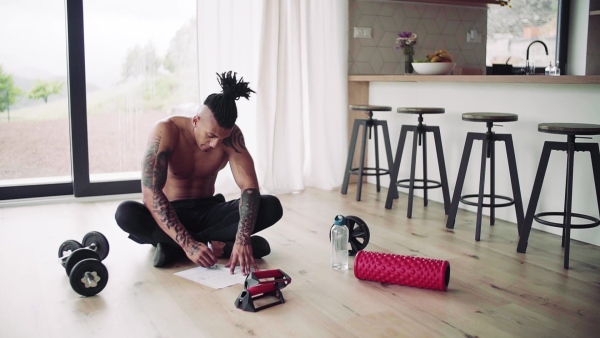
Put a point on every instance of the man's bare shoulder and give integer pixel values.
(169, 127)
(235, 143)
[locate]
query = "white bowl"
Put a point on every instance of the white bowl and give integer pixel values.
(433, 68)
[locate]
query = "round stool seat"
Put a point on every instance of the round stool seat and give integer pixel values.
(490, 117)
(569, 128)
(367, 107)
(421, 110)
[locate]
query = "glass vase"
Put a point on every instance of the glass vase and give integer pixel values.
(408, 67)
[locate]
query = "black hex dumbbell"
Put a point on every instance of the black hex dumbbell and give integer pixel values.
(88, 276)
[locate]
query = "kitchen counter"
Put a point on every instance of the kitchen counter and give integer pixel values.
(538, 79)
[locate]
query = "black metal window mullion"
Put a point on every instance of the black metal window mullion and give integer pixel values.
(77, 97)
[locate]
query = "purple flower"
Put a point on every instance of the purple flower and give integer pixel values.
(406, 41)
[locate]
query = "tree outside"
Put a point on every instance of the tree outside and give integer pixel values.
(182, 55)
(140, 62)
(43, 89)
(8, 91)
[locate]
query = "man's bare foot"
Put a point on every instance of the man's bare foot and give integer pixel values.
(217, 248)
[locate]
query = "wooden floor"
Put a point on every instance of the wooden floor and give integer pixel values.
(493, 290)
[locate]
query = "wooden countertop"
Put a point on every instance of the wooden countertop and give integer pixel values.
(535, 79)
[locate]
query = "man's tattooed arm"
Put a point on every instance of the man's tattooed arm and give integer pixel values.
(249, 204)
(243, 172)
(154, 178)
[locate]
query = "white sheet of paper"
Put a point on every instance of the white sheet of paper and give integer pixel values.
(217, 277)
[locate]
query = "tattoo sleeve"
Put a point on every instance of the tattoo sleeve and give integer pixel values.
(249, 204)
(154, 178)
(236, 140)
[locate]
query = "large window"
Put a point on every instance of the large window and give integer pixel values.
(76, 123)
(511, 30)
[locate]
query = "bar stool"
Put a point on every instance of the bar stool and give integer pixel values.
(362, 170)
(419, 135)
(571, 130)
(487, 151)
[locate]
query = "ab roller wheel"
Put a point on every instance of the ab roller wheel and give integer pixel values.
(82, 263)
(358, 234)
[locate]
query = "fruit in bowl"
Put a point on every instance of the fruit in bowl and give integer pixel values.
(437, 63)
(439, 56)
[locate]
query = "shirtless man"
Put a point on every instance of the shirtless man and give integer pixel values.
(180, 213)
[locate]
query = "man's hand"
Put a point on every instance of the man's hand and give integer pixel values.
(200, 254)
(242, 255)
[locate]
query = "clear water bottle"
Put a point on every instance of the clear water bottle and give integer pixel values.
(555, 70)
(339, 244)
(548, 70)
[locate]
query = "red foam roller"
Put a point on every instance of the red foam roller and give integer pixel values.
(418, 272)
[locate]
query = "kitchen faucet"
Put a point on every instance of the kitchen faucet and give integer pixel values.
(536, 41)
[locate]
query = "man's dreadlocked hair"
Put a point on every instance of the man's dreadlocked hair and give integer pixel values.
(223, 104)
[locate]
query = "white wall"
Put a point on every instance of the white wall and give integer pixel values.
(534, 104)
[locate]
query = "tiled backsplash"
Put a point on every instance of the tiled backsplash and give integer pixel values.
(437, 27)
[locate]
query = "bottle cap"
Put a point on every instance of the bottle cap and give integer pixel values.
(339, 220)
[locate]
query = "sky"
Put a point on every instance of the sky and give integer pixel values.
(33, 41)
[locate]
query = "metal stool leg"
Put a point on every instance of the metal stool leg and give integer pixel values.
(351, 150)
(481, 187)
(361, 167)
(388, 152)
(375, 125)
(514, 177)
(564, 229)
(460, 180)
(569, 197)
(492, 155)
(595, 156)
(411, 184)
(535, 196)
(442, 165)
(394, 173)
(423, 134)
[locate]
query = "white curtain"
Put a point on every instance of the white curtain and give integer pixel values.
(228, 38)
(294, 53)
